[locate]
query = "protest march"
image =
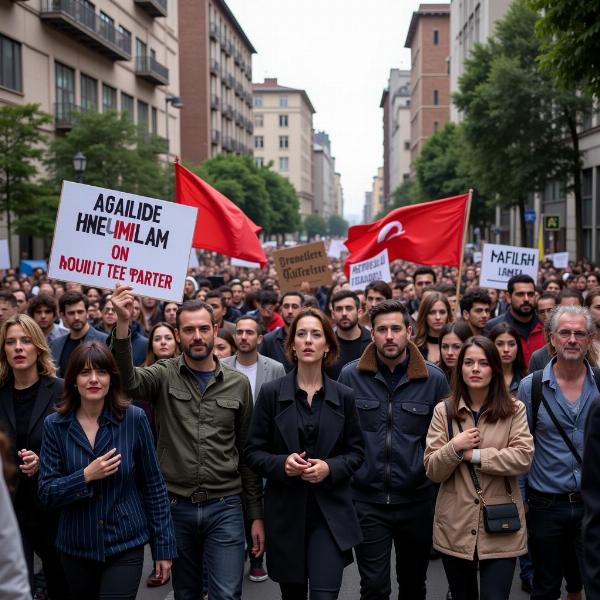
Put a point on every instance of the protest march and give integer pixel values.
(284, 410)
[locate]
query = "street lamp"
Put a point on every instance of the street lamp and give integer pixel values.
(79, 164)
(175, 102)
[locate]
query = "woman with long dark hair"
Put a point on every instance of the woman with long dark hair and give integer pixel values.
(434, 313)
(98, 465)
(305, 440)
(29, 391)
(484, 427)
(507, 341)
(452, 337)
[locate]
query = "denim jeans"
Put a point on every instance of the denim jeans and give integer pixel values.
(554, 531)
(209, 534)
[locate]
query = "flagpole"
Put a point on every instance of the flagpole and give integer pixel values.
(462, 248)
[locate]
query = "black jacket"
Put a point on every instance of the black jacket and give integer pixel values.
(49, 394)
(394, 424)
(590, 490)
(272, 347)
(273, 437)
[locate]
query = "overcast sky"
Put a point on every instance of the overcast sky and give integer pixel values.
(340, 52)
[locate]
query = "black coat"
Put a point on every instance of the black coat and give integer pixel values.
(273, 437)
(48, 395)
(590, 490)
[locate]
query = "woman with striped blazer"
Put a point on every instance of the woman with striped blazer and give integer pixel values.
(99, 466)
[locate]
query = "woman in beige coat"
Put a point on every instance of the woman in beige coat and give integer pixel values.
(495, 439)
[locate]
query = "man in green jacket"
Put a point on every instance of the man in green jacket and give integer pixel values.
(204, 410)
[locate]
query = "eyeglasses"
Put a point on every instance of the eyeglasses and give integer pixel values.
(565, 334)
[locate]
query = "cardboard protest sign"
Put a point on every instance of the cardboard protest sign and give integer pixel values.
(559, 259)
(4, 255)
(104, 237)
(499, 263)
(307, 262)
(376, 268)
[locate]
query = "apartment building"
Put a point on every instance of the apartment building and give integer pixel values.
(429, 41)
(338, 194)
(215, 58)
(395, 102)
(77, 55)
(283, 135)
(324, 176)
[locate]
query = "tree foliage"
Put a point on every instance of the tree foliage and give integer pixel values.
(570, 34)
(21, 150)
(337, 226)
(314, 225)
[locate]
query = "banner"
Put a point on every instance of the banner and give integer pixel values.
(559, 259)
(336, 247)
(104, 237)
(376, 268)
(307, 262)
(248, 264)
(4, 255)
(499, 263)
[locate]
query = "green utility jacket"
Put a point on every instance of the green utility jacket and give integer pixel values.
(201, 437)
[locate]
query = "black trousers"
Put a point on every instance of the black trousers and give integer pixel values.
(496, 576)
(325, 564)
(409, 527)
(38, 534)
(118, 578)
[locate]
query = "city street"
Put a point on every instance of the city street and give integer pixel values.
(268, 590)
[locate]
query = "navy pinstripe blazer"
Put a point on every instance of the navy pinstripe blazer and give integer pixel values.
(111, 515)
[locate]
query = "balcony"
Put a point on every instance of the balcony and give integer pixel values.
(239, 118)
(228, 48)
(155, 8)
(249, 126)
(214, 102)
(148, 68)
(226, 143)
(65, 115)
(214, 32)
(215, 137)
(227, 111)
(215, 68)
(248, 99)
(239, 89)
(227, 79)
(237, 58)
(80, 21)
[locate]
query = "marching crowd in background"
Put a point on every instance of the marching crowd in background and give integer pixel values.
(310, 427)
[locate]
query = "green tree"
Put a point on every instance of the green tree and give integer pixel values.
(570, 34)
(119, 155)
(283, 200)
(337, 226)
(314, 225)
(514, 116)
(21, 149)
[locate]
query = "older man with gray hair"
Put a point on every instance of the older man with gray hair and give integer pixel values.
(558, 400)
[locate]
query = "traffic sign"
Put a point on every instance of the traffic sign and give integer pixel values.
(529, 215)
(551, 222)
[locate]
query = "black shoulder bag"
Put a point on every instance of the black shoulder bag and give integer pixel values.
(497, 518)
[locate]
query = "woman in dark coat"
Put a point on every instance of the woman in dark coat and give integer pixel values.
(306, 442)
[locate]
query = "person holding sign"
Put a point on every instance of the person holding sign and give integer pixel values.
(204, 410)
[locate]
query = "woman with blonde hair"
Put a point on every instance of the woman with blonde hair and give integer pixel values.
(29, 391)
(434, 313)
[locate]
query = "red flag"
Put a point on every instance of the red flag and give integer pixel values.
(430, 233)
(221, 226)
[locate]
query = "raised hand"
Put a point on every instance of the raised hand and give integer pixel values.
(103, 466)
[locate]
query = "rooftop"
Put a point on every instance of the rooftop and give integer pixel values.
(270, 84)
(425, 10)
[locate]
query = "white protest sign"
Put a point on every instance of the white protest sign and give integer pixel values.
(336, 247)
(193, 262)
(476, 257)
(248, 264)
(104, 237)
(4, 255)
(559, 259)
(373, 269)
(499, 263)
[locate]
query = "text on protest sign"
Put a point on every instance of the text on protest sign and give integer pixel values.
(307, 262)
(499, 263)
(376, 268)
(104, 237)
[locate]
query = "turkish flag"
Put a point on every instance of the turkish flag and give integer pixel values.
(221, 226)
(429, 233)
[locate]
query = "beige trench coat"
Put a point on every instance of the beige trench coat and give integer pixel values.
(506, 450)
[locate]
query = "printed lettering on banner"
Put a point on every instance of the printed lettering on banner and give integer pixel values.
(499, 263)
(104, 237)
(376, 268)
(307, 262)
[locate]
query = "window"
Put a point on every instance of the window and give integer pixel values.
(284, 142)
(109, 98)
(283, 101)
(407, 145)
(259, 120)
(140, 48)
(11, 75)
(127, 105)
(154, 123)
(436, 37)
(259, 141)
(260, 161)
(64, 91)
(284, 163)
(436, 125)
(258, 101)
(126, 36)
(142, 109)
(436, 97)
(89, 93)
(586, 217)
(107, 25)
(283, 121)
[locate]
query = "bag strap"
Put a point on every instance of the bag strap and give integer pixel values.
(536, 398)
(561, 431)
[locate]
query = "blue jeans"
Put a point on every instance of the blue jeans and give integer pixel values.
(208, 534)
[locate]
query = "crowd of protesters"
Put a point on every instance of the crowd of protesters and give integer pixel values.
(311, 427)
